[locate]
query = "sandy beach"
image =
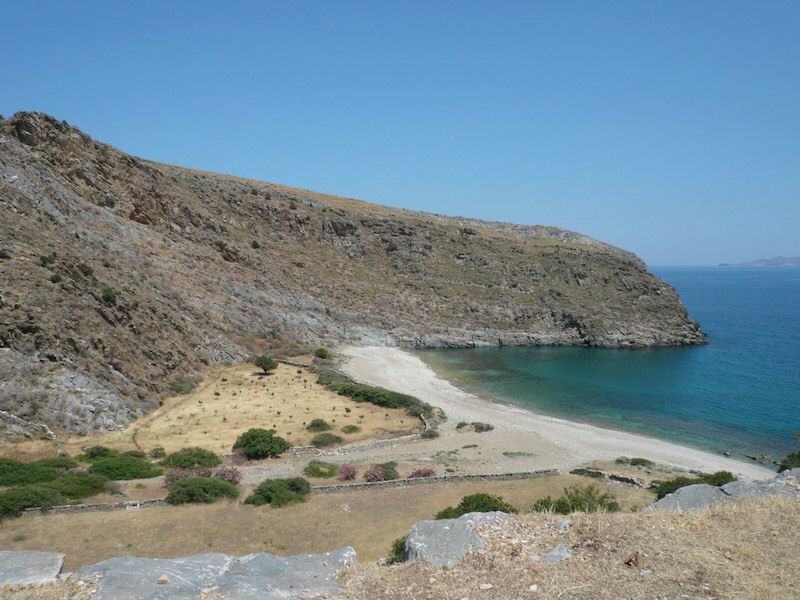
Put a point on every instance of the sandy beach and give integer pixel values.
(520, 439)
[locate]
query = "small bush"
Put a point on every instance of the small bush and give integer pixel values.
(56, 278)
(587, 499)
(479, 502)
(382, 472)
(398, 552)
(280, 492)
(261, 443)
(266, 363)
(200, 489)
(322, 353)
(351, 429)
(14, 472)
(374, 474)
(347, 472)
(230, 475)
(14, 500)
(173, 476)
(192, 458)
(78, 485)
(422, 472)
(182, 386)
(121, 468)
(318, 425)
(358, 392)
(664, 487)
(108, 295)
(637, 461)
(790, 461)
(482, 427)
(135, 454)
(323, 440)
(318, 468)
(430, 434)
(255, 245)
(48, 260)
(4, 254)
(61, 463)
(95, 452)
(157, 453)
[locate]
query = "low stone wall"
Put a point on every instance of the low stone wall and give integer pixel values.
(81, 508)
(346, 487)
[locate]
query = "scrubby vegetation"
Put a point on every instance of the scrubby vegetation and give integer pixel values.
(14, 472)
(346, 472)
(398, 551)
(382, 472)
(318, 425)
(430, 434)
(322, 353)
(261, 443)
(183, 386)
(359, 392)
(119, 467)
(173, 476)
(475, 426)
(280, 492)
(323, 440)
(422, 472)
(14, 500)
(157, 453)
(664, 487)
(790, 461)
(321, 469)
(351, 429)
(77, 485)
(200, 490)
(479, 502)
(266, 363)
(636, 461)
(587, 499)
(192, 458)
(230, 475)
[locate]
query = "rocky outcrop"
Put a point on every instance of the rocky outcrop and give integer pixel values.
(122, 276)
(29, 567)
(700, 495)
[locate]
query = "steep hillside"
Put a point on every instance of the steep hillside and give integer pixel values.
(121, 276)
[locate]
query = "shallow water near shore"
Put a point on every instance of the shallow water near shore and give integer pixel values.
(739, 393)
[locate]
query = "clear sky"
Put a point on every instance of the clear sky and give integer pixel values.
(671, 129)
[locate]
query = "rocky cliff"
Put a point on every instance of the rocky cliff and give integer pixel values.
(121, 276)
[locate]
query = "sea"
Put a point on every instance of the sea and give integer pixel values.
(740, 393)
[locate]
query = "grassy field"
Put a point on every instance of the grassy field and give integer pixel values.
(367, 520)
(233, 399)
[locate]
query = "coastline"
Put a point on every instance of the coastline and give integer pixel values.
(521, 438)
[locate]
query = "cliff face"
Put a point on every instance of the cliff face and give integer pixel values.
(152, 271)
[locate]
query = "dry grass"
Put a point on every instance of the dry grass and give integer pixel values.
(367, 520)
(745, 549)
(68, 589)
(231, 400)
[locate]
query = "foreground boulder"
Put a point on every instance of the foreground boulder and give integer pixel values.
(699, 495)
(260, 575)
(442, 542)
(29, 568)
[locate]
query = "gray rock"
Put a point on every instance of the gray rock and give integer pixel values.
(689, 497)
(262, 576)
(753, 489)
(557, 554)
(29, 568)
(442, 542)
(562, 524)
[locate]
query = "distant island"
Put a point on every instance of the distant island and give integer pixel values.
(778, 261)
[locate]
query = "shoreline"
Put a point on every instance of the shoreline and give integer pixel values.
(521, 438)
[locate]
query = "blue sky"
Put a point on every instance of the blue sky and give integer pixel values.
(671, 129)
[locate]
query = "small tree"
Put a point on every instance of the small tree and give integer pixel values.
(261, 443)
(322, 353)
(266, 363)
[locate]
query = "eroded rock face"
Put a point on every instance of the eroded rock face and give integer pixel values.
(29, 568)
(251, 577)
(200, 263)
(443, 542)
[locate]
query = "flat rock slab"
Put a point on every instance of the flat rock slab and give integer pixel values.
(690, 497)
(262, 576)
(557, 554)
(29, 568)
(442, 542)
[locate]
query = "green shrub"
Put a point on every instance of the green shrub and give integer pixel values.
(47, 260)
(318, 425)
(398, 552)
(4, 254)
(280, 492)
(358, 392)
(191, 458)
(479, 502)
(157, 453)
(55, 278)
(14, 500)
(182, 386)
(322, 353)
(587, 499)
(266, 363)
(121, 467)
(351, 429)
(200, 490)
(791, 461)
(135, 454)
(641, 462)
(95, 452)
(482, 427)
(664, 487)
(255, 245)
(57, 462)
(318, 468)
(261, 443)
(79, 485)
(430, 434)
(108, 295)
(14, 472)
(323, 440)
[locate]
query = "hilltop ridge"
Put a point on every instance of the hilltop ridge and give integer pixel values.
(123, 276)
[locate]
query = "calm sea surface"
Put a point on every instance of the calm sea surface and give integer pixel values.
(741, 392)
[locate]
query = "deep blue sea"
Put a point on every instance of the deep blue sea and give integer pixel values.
(740, 393)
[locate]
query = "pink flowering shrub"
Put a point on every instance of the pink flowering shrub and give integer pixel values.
(346, 472)
(174, 475)
(230, 475)
(422, 472)
(375, 474)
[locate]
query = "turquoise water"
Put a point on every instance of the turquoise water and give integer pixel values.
(740, 393)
